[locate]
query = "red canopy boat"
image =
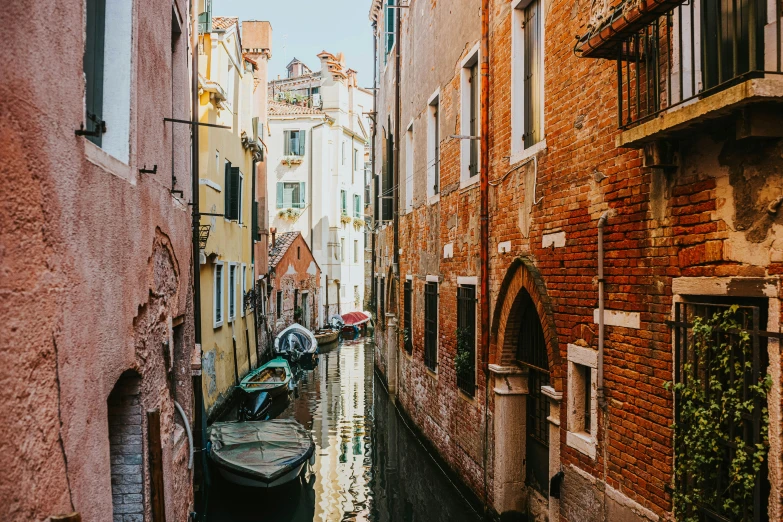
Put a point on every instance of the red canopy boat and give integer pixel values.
(354, 322)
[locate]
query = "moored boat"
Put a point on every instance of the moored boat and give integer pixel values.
(355, 323)
(326, 336)
(295, 342)
(262, 454)
(273, 377)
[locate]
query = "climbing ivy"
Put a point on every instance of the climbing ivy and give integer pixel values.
(710, 400)
(464, 364)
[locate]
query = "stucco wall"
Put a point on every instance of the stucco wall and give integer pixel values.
(96, 263)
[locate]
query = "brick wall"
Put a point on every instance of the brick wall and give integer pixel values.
(126, 449)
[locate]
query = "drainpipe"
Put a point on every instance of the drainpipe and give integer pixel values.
(199, 432)
(396, 169)
(600, 371)
(484, 228)
(372, 158)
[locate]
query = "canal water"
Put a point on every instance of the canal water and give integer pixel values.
(369, 466)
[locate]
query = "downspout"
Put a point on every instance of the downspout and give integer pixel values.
(484, 229)
(600, 370)
(372, 158)
(396, 169)
(199, 489)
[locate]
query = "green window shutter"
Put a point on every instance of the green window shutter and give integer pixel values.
(227, 197)
(234, 200)
(286, 143)
(301, 194)
(93, 66)
(302, 135)
(279, 195)
(254, 222)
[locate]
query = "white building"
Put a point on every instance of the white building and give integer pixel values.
(316, 179)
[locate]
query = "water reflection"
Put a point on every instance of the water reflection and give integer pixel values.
(369, 466)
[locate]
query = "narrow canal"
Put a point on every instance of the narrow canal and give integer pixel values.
(369, 465)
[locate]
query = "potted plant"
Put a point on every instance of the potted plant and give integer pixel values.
(345, 219)
(289, 214)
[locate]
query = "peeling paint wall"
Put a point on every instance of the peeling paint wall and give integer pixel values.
(96, 275)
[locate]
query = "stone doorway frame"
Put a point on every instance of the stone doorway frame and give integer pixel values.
(510, 387)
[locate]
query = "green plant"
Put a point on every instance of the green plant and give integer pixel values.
(464, 363)
(289, 214)
(345, 219)
(711, 399)
(298, 314)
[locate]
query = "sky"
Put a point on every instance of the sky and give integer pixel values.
(304, 28)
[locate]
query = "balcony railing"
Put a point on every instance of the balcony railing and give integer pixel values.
(692, 51)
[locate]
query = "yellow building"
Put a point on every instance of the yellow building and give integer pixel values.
(227, 179)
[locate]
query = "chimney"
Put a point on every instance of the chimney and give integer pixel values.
(273, 231)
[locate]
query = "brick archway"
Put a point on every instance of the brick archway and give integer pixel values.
(523, 277)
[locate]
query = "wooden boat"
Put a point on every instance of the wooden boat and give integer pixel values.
(355, 323)
(295, 342)
(262, 454)
(326, 336)
(274, 378)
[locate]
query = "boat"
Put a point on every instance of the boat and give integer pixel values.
(254, 406)
(262, 454)
(296, 342)
(273, 377)
(355, 322)
(326, 336)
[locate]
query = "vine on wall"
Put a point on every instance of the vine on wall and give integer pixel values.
(712, 400)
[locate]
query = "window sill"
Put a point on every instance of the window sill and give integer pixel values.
(470, 399)
(582, 442)
(469, 182)
(99, 157)
(433, 199)
(432, 373)
(215, 326)
(529, 152)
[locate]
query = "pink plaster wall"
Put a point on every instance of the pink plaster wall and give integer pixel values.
(93, 266)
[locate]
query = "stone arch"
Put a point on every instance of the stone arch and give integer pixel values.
(523, 279)
(125, 446)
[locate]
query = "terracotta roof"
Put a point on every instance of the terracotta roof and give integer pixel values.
(283, 242)
(224, 22)
(288, 109)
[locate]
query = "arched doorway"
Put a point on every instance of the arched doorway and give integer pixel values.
(125, 446)
(531, 354)
(526, 382)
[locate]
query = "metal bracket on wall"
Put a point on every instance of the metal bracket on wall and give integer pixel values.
(145, 170)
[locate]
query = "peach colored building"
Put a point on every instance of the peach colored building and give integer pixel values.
(95, 249)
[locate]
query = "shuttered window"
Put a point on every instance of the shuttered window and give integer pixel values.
(254, 232)
(474, 111)
(291, 194)
(532, 84)
(408, 316)
(391, 24)
(466, 338)
(93, 67)
(431, 325)
(357, 205)
(294, 142)
(344, 202)
(233, 192)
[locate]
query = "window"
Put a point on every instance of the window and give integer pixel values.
(357, 206)
(290, 194)
(431, 325)
(469, 118)
(355, 159)
(433, 146)
(217, 296)
(527, 61)
(299, 252)
(355, 250)
(385, 199)
(243, 276)
(409, 169)
(232, 292)
(582, 399)
(407, 316)
(391, 27)
(294, 142)
(232, 192)
(107, 89)
(344, 202)
(382, 294)
(465, 361)
(279, 304)
(343, 256)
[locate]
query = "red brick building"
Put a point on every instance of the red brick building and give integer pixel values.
(565, 413)
(294, 280)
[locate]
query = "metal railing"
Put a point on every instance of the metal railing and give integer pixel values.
(466, 325)
(699, 48)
